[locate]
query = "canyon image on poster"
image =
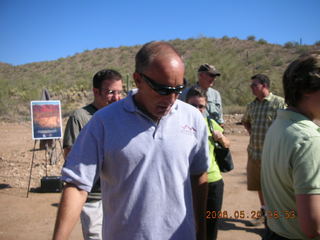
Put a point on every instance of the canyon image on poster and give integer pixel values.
(46, 120)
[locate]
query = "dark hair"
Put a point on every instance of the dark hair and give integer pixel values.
(195, 92)
(151, 50)
(301, 76)
(105, 74)
(263, 79)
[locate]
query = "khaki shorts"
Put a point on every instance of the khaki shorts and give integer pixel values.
(253, 175)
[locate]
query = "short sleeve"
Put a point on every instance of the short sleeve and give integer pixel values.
(71, 132)
(201, 161)
(246, 116)
(306, 167)
(84, 161)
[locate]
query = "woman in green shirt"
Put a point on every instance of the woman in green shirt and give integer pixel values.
(197, 98)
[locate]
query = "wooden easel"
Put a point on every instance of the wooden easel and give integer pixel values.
(52, 155)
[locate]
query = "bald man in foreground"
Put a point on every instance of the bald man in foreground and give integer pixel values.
(150, 151)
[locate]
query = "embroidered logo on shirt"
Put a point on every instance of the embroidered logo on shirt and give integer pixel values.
(188, 130)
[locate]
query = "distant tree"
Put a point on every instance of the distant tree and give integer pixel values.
(317, 43)
(288, 45)
(251, 38)
(291, 44)
(262, 41)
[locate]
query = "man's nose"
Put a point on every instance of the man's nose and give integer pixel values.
(116, 96)
(171, 97)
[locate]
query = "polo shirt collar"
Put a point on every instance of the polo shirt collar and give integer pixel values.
(296, 117)
(128, 102)
(267, 98)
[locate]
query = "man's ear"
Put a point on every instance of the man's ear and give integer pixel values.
(95, 91)
(137, 79)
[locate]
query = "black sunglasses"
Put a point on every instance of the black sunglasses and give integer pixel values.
(163, 89)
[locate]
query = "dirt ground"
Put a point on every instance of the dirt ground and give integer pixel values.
(33, 218)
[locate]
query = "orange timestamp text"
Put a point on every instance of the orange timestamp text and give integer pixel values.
(242, 214)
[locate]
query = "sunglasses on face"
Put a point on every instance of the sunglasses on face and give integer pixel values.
(199, 106)
(162, 89)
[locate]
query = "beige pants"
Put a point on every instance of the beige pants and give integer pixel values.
(91, 220)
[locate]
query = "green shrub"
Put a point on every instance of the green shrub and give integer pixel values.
(302, 49)
(291, 44)
(277, 61)
(262, 41)
(251, 38)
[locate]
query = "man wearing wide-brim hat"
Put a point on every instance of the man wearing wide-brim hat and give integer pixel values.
(207, 75)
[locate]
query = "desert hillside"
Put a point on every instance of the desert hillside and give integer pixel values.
(69, 79)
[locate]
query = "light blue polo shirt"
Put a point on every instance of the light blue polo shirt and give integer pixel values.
(144, 169)
(290, 166)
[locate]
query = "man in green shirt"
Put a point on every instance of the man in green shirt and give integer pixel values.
(290, 171)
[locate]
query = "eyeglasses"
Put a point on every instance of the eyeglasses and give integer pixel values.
(112, 92)
(199, 106)
(162, 89)
(254, 85)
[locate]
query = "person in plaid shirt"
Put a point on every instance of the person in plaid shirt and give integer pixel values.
(259, 115)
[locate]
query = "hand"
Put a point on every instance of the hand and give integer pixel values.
(217, 135)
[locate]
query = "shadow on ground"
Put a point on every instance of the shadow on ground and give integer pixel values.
(4, 185)
(234, 224)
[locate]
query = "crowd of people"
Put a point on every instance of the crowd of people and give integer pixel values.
(143, 166)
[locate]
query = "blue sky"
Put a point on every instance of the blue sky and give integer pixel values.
(44, 30)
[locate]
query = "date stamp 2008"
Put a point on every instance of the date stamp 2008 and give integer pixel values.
(241, 214)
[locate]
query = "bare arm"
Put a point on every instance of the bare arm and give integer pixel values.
(218, 136)
(71, 203)
(247, 126)
(66, 152)
(199, 193)
(309, 214)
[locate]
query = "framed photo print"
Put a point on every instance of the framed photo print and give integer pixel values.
(46, 119)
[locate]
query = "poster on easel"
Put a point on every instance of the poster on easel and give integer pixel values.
(46, 119)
